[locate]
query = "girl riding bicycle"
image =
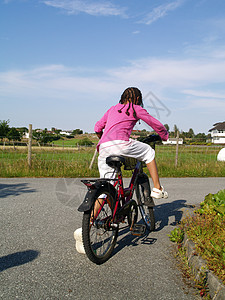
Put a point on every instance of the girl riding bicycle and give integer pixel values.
(118, 123)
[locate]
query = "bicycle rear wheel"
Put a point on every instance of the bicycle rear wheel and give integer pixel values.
(99, 238)
(147, 212)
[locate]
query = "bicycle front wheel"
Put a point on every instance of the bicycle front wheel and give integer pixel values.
(147, 212)
(99, 237)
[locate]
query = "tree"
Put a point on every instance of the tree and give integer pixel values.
(44, 137)
(190, 133)
(22, 130)
(201, 137)
(77, 131)
(14, 134)
(175, 129)
(174, 132)
(4, 128)
(167, 127)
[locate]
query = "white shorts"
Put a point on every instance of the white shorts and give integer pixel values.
(131, 148)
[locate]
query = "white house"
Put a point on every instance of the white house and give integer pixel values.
(66, 132)
(26, 135)
(173, 141)
(218, 133)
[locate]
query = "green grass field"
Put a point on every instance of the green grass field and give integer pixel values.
(74, 162)
(66, 143)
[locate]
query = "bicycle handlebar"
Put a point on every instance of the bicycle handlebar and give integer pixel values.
(151, 139)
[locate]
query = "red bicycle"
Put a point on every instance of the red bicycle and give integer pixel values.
(108, 205)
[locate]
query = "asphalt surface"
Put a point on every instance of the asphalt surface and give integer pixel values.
(38, 259)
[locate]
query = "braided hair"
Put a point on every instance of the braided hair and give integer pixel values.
(132, 95)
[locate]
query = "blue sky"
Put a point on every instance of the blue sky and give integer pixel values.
(65, 62)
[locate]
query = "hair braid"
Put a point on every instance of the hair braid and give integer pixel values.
(127, 112)
(120, 110)
(134, 112)
(133, 96)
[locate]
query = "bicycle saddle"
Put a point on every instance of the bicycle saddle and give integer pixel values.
(115, 161)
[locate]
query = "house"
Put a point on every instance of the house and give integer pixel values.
(218, 133)
(66, 132)
(173, 141)
(26, 135)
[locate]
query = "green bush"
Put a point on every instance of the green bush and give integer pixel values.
(206, 228)
(177, 235)
(85, 142)
(213, 204)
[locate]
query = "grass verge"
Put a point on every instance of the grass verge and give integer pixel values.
(75, 162)
(206, 228)
(200, 284)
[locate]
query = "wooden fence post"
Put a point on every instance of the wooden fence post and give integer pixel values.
(177, 147)
(93, 159)
(30, 145)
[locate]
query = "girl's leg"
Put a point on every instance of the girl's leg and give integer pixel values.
(158, 191)
(97, 207)
(152, 167)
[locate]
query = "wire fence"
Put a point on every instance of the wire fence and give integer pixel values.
(189, 160)
(81, 160)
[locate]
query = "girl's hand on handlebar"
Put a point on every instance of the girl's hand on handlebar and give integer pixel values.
(99, 134)
(151, 138)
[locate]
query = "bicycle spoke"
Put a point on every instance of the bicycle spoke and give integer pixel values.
(98, 237)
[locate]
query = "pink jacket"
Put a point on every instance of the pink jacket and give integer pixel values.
(118, 126)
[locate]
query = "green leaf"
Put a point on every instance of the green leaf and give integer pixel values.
(220, 209)
(177, 235)
(221, 196)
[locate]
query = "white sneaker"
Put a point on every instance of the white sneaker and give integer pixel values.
(79, 241)
(157, 194)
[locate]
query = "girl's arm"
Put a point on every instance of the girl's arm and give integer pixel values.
(99, 134)
(100, 125)
(154, 123)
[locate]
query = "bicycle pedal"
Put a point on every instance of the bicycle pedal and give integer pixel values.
(138, 229)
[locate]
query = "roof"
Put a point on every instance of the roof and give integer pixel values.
(218, 126)
(174, 139)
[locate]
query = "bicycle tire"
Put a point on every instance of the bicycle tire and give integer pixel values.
(133, 214)
(147, 212)
(99, 241)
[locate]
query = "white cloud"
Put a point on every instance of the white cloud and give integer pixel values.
(189, 77)
(205, 94)
(136, 32)
(50, 82)
(184, 86)
(95, 8)
(210, 105)
(209, 47)
(172, 73)
(161, 11)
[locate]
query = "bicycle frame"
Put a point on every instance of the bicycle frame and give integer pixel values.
(107, 204)
(124, 195)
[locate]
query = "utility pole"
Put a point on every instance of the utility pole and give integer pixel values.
(30, 145)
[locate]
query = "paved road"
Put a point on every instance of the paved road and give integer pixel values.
(38, 259)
